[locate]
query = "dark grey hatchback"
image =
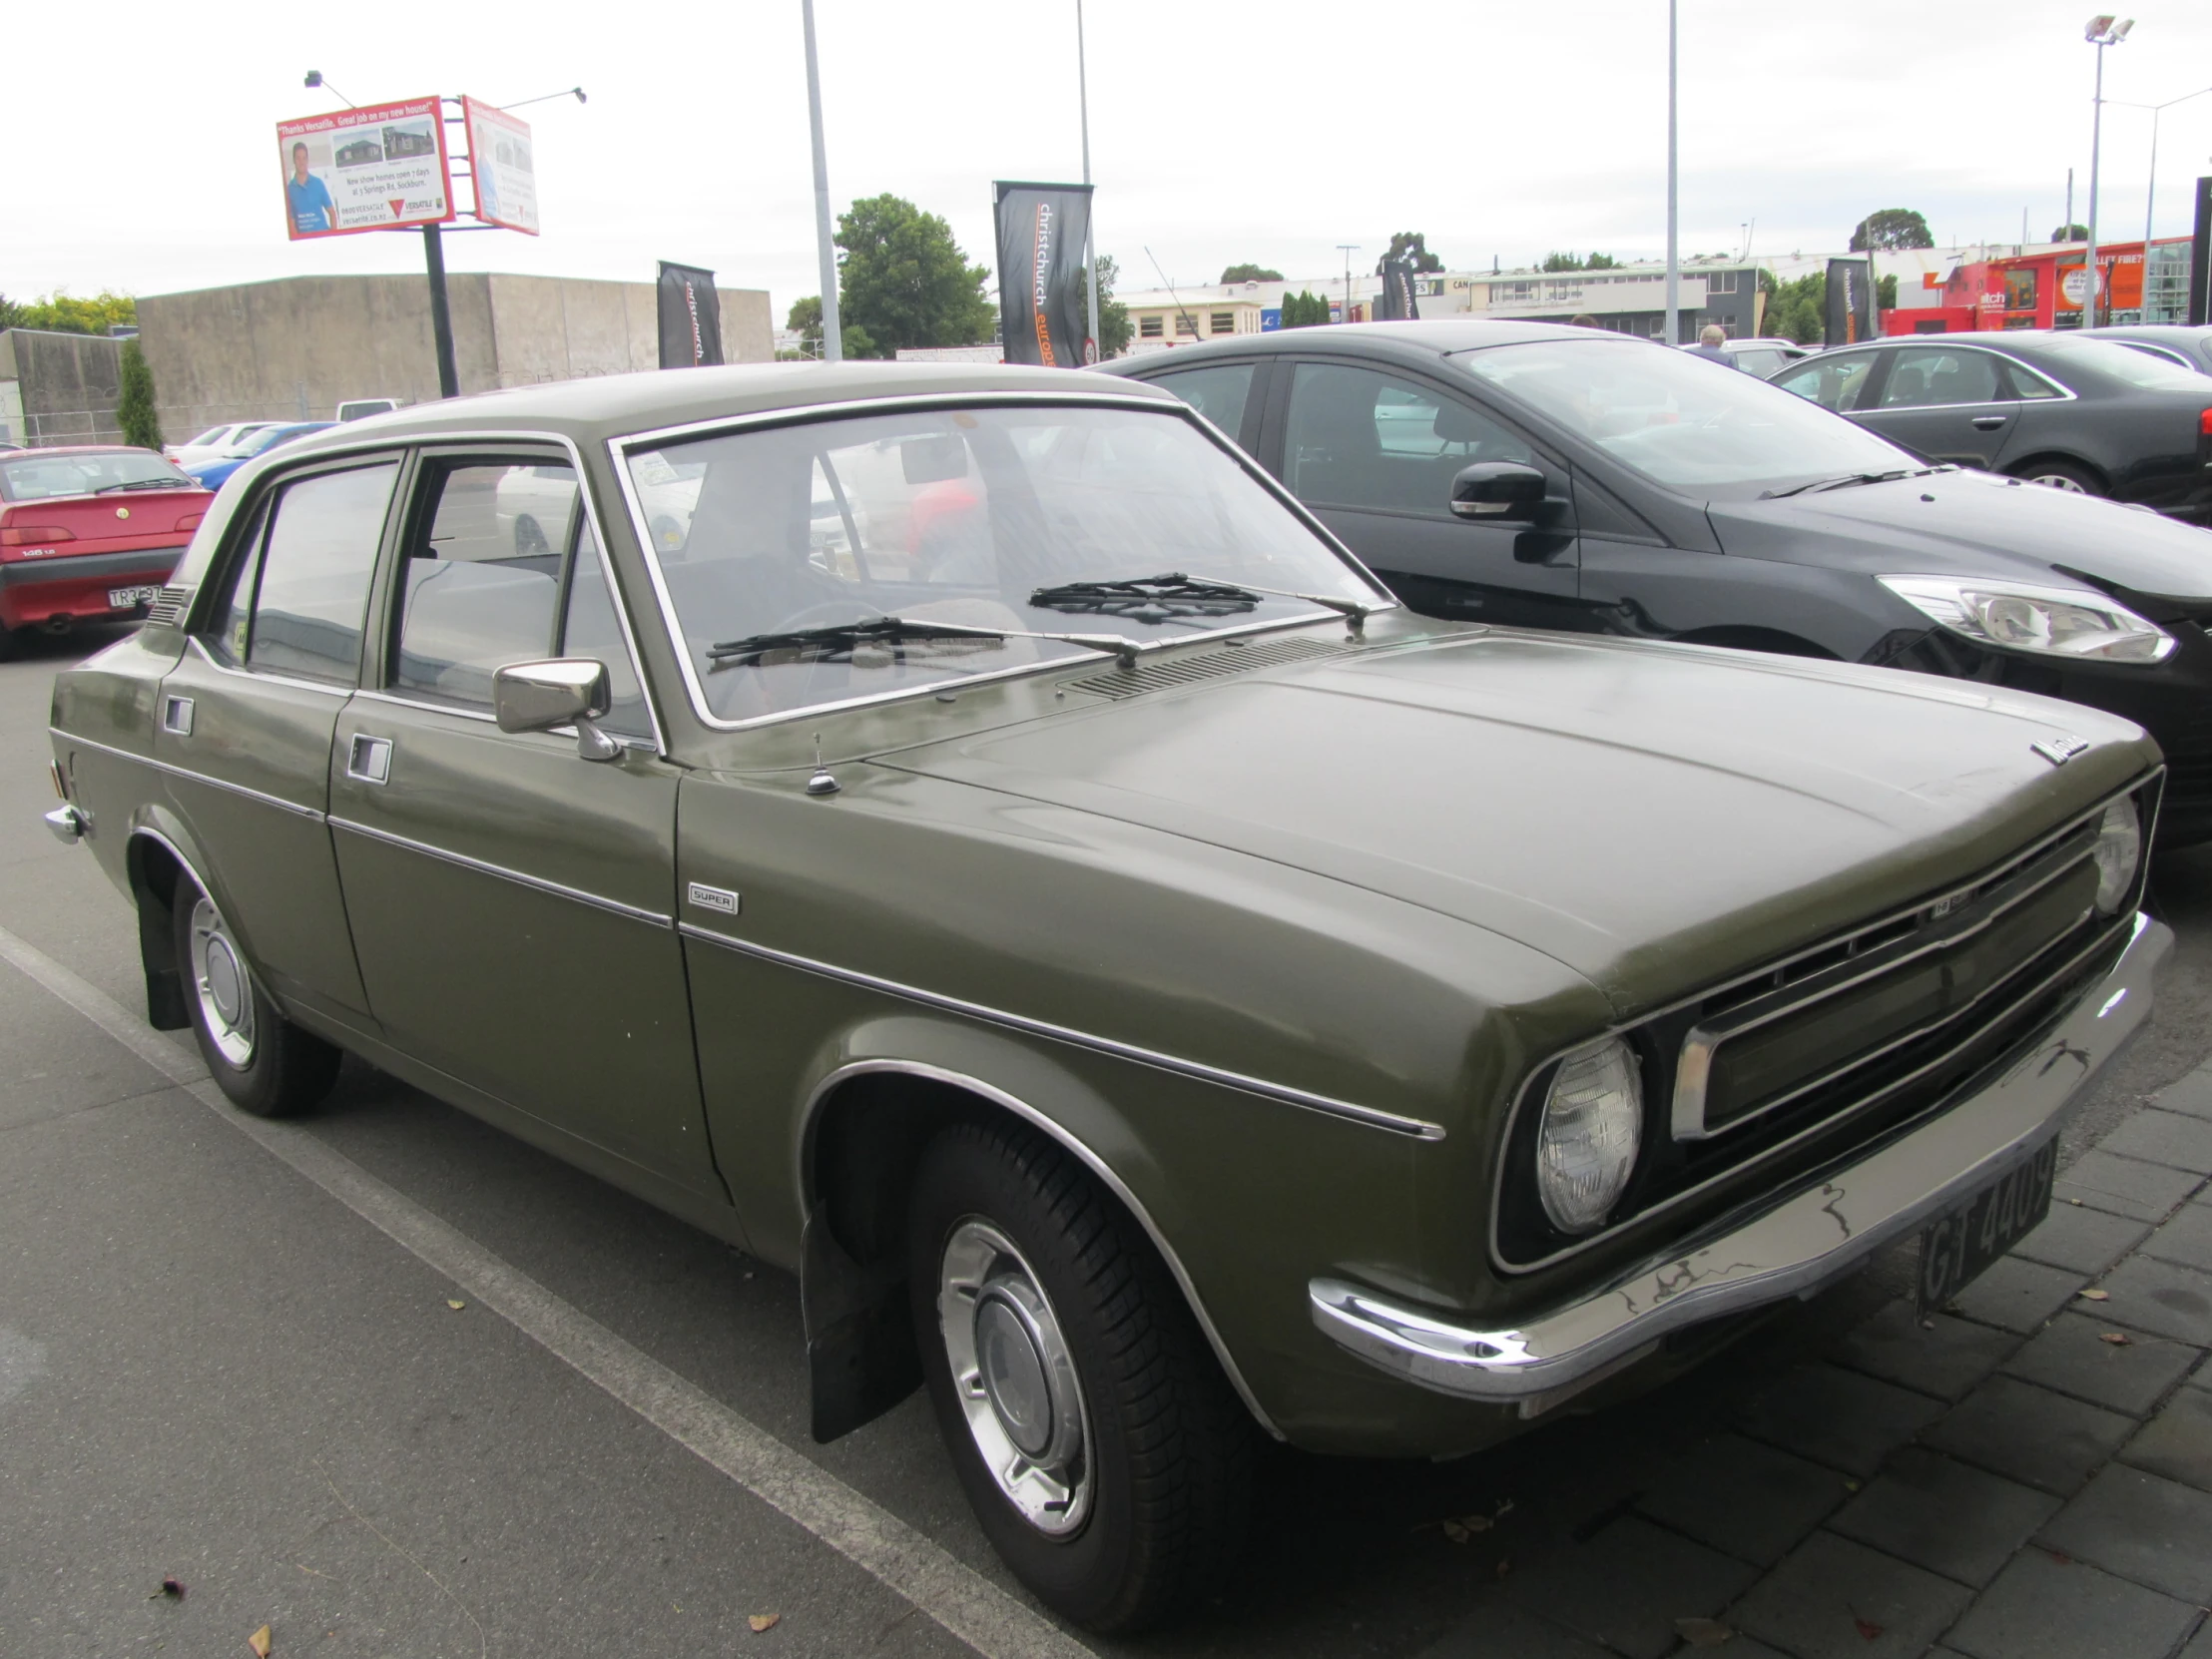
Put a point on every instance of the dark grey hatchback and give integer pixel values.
(1556, 477)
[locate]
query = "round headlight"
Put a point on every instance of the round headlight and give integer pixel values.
(2119, 850)
(1592, 1126)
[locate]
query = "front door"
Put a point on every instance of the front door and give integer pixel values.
(1374, 455)
(1947, 402)
(247, 713)
(511, 901)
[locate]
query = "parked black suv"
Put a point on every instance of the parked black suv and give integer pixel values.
(1560, 477)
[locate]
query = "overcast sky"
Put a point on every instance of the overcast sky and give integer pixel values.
(143, 156)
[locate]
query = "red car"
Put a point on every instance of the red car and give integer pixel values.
(88, 533)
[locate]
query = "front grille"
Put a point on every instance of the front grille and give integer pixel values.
(1183, 671)
(1768, 1077)
(169, 607)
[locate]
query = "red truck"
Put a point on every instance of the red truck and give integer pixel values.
(88, 533)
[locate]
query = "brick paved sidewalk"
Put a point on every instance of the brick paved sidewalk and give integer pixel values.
(2028, 1476)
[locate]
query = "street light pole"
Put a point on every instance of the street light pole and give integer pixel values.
(1348, 248)
(1674, 246)
(832, 341)
(1090, 228)
(2100, 33)
(2150, 196)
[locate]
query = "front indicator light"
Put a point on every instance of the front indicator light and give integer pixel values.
(2118, 851)
(1591, 1131)
(2020, 616)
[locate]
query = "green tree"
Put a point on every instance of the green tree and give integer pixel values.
(11, 314)
(1562, 262)
(1601, 261)
(134, 412)
(1795, 311)
(1114, 326)
(2070, 233)
(1412, 245)
(1305, 311)
(1241, 273)
(1891, 227)
(1886, 294)
(805, 320)
(65, 314)
(904, 281)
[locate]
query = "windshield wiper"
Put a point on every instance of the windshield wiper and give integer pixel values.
(1147, 598)
(840, 637)
(148, 484)
(1844, 482)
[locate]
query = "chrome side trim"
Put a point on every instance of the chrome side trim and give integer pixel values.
(614, 906)
(619, 450)
(1059, 1133)
(399, 702)
(262, 677)
(312, 813)
(1803, 1243)
(1369, 1116)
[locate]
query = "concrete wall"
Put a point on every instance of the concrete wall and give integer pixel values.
(296, 348)
(59, 388)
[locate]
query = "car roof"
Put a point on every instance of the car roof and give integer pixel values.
(1406, 341)
(91, 449)
(615, 406)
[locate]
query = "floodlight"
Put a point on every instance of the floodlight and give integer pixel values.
(2097, 26)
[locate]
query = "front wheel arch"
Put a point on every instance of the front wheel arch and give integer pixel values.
(155, 867)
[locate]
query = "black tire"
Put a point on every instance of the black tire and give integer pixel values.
(1167, 1448)
(2063, 475)
(265, 1063)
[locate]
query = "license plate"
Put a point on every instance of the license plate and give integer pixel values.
(130, 598)
(1960, 1243)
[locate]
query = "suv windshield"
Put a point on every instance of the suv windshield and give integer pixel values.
(1679, 421)
(966, 517)
(31, 476)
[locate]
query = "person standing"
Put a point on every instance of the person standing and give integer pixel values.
(1709, 344)
(312, 210)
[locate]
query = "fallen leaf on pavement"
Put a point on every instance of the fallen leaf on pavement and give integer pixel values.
(1703, 1632)
(2118, 1338)
(762, 1621)
(1868, 1628)
(174, 1589)
(2094, 1296)
(456, 1306)
(258, 1642)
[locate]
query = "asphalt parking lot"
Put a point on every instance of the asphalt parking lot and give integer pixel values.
(231, 1353)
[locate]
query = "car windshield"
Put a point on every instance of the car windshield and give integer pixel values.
(2116, 362)
(1679, 421)
(975, 518)
(31, 476)
(258, 438)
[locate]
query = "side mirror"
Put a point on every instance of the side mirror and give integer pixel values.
(566, 690)
(1508, 490)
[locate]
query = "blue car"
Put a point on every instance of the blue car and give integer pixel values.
(209, 475)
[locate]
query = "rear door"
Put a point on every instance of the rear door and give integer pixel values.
(1947, 402)
(512, 902)
(1373, 453)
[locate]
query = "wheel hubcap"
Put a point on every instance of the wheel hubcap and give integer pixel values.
(2053, 480)
(225, 993)
(1015, 1377)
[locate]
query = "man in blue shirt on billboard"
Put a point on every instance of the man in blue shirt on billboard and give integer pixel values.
(312, 209)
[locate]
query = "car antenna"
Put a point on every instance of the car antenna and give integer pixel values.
(822, 783)
(1182, 310)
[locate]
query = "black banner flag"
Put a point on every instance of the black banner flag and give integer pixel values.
(690, 317)
(2200, 260)
(1850, 301)
(1397, 304)
(1042, 307)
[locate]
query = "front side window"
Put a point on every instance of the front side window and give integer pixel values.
(1832, 383)
(1219, 392)
(482, 578)
(998, 523)
(1361, 438)
(1931, 376)
(300, 587)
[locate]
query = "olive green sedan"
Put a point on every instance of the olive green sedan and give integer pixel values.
(970, 837)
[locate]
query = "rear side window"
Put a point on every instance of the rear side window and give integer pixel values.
(299, 591)
(1219, 393)
(1934, 376)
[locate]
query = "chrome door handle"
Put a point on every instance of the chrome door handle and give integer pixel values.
(368, 758)
(177, 716)
(1987, 423)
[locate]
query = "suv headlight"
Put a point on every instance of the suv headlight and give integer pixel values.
(2119, 850)
(2021, 616)
(1592, 1128)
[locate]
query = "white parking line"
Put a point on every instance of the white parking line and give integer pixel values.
(968, 1605)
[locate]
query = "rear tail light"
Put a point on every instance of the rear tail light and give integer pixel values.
(33, 535)
(2204, 424)
(191, 522)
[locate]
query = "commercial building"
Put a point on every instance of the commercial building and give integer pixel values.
(59, 388)
(296, 347)
(2043, 286)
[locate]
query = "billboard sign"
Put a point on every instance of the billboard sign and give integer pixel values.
(2120, 290)
(1042, 304)
(370, 168)
(499, 159)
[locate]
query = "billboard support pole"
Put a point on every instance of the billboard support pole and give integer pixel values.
(441, 313)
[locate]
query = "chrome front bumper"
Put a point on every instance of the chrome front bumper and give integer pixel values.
(1791, 1250)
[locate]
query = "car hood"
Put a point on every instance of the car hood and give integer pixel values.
(1974, 524)
(1655, 817)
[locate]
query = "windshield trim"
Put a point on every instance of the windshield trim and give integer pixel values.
(619, 449)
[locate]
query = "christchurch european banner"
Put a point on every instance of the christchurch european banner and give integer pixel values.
(690, 317)
(1398, 303)
(1850, 301)
(1043, 307)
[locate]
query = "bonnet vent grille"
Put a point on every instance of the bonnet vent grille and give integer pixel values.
(1183, 671)
(168, 608)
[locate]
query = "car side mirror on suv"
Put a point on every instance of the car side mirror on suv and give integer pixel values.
(1503, 490)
